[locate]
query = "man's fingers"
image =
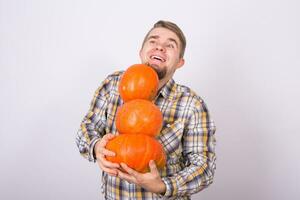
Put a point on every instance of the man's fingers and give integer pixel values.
(105, 139)
(101, 153)
(107, 163)
(100, 146)
(153, 168)
(126, 177)
(107, 152)
(108, 136)
(112, 172)
(129, 170)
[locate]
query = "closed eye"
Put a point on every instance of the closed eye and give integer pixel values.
(152, 41)
(170, 46)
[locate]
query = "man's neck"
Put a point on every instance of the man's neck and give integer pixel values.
(163, 82)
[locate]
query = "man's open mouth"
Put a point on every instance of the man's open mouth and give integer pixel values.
(155, 57)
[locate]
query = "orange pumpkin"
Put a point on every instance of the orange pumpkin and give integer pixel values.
(139, 81)
(136, 151)
(139, 117)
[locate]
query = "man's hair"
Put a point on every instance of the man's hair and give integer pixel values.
(175, 29)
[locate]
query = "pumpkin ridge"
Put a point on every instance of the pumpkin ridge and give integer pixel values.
(144, 167)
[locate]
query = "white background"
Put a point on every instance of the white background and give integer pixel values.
(242, 58)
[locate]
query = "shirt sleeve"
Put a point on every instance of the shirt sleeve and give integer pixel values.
(199, 153)
(93, 125)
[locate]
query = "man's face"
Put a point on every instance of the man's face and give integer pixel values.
(161, 51)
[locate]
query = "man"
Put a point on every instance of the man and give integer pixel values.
(187, 135)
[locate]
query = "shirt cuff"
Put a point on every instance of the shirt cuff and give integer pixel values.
(92, 156)
(170, 187)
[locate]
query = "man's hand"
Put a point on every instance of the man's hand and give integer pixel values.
(101, 152)
(150, 181)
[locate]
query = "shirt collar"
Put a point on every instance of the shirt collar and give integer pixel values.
(168, 91)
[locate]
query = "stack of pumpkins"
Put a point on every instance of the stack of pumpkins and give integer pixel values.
(138, 121)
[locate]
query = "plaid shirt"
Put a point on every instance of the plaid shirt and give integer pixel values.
(187, 137)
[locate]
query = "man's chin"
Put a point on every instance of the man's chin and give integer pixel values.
(160, 73)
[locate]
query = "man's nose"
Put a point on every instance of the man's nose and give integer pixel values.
(160, 47)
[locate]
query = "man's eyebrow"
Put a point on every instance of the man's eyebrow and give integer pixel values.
(173, 40)
(153, 37)
(156, 37)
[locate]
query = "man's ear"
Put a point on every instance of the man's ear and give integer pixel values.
(140, 54)
(180, 63)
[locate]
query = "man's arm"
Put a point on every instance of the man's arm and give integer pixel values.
(92, 127)
(199, 151)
